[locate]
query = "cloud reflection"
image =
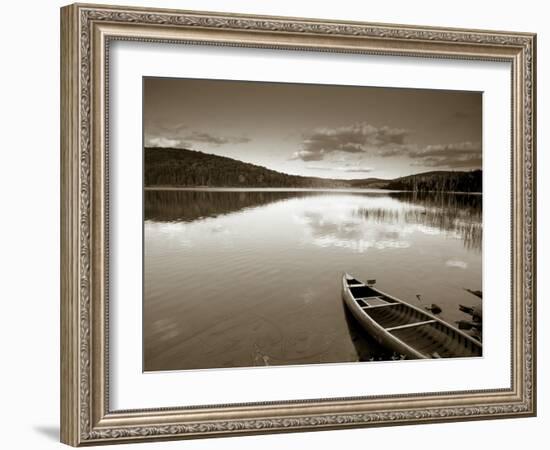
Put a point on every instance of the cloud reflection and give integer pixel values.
(456, 263)
(360, 223)
(337, 223)
(346, 220)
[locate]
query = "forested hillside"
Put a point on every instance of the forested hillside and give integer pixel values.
(439, 182)
(170, 167)
(178, 167)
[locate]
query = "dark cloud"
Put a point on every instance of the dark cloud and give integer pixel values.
(357, 138)
(361, 139)
(364, 170)
(387, 135)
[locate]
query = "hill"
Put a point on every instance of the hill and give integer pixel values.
(439, 181)
(179, 167)
(171, 167)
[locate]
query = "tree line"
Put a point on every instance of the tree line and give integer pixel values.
(178, 167)
(189, 168)
(440, 182)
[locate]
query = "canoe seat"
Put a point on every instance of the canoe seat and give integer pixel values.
(410, 325)
(381, 305)
(368, 302)
(375, 301)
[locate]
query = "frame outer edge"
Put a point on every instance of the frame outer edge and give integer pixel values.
(535, 335)
(533, 230)
(81, 414)
(69, 184)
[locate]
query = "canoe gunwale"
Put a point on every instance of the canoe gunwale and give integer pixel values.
(361, 313)
(431, 316)
(398, 344)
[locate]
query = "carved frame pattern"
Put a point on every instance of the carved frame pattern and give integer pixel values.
(86, 418)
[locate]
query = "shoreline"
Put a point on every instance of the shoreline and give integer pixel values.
(291, 189)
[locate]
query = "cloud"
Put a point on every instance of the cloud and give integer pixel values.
(361, 139)
(365, 169)
(344, 169)
(356, 138)
(216, 140)
(456, 263)
(387, 135)
(457, 155)
(163, 142)
(306, 155)
(172, 127)
(179, 139)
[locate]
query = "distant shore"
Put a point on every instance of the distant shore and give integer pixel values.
(169, 168)
(260, 189)
(293, 189)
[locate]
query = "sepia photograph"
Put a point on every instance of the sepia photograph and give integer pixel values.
(296, 224)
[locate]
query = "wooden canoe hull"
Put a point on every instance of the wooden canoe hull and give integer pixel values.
(424, 332)
(378, 333)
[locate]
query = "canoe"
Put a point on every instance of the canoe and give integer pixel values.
(406, 329)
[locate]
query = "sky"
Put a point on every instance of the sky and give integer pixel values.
(327, 131)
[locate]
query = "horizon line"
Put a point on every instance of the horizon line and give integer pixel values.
(307, 176)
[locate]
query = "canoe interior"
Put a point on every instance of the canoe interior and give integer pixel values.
(433, 338)
(437, 340)
(395, 315)
(363, 292)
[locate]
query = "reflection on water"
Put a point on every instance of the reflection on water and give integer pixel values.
(366, 347)
(243, 278)
(456, 215)
(453, 214)
(189, 205)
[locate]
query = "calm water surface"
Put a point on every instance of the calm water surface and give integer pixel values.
(237, 278)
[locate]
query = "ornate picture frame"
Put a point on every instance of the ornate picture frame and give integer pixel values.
(86, 34)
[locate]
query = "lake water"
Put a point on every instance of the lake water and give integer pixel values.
(238, 278)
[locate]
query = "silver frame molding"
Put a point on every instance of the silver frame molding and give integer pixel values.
(86, 31)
